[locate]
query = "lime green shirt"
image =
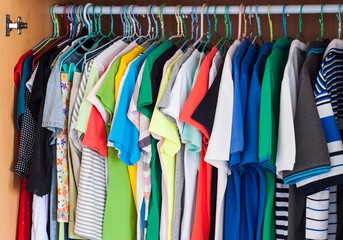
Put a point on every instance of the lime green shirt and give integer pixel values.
(167, 129)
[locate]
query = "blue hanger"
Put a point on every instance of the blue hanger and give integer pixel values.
(284, 21)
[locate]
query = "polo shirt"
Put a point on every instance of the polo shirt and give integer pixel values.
(285, 157)
(328, 99)
(233, 193)
(254, 186)
(269, 120)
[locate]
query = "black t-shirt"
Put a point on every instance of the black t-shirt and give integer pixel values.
(40, 177)
(157, 72)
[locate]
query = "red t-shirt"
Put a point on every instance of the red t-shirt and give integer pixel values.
(202, 218)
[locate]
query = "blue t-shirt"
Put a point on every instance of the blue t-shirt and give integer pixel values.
(26, 73)
(253, 179)
(233, 198)
(124, 134)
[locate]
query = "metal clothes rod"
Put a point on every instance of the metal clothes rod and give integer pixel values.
(262, 9)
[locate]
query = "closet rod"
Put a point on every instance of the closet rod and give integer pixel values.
(262, 9)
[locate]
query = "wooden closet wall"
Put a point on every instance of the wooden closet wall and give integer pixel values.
(36, 13)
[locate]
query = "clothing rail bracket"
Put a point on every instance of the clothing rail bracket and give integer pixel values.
(19, 25)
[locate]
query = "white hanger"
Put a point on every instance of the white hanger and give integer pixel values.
(201, 25)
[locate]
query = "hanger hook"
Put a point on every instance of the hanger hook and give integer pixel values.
(215, 19)
(250, 21)
(208, 22)
(258, 21)
(160, 15)
(270, 24)
(245, 30)
(240, 21)
(339, 21)
(284, 21)
(321, 21)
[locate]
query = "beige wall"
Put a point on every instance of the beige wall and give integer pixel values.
(36, 13)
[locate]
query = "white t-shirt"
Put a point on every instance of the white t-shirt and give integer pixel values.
(285, 156)
(223, 117)
(40, 210)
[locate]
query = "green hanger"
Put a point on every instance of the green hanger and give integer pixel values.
(339, 21)
(270, 25)
(321, 22)
(300, 22)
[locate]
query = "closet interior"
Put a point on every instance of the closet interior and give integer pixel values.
(171, 120)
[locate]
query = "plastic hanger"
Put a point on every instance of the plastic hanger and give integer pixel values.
(51, 40)
(55, 29)
(270, 25)
(245, 27)
(160, 17)
(184, 26)
(38, 54)
(228, 29)
(250, 22)
(215, 31)
(339, 18)
(284, 21)
(80, 43)
(300, 22)
(96, 44)
(321, 22)
(239, 36)
(258, 22)
(178, 33)
(201, 26)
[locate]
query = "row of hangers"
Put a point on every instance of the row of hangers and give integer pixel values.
(83, 29)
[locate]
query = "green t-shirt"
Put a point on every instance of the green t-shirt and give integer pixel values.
(144, 100)
(268, 129)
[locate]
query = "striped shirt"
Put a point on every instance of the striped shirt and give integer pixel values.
(321, 214)
(281, 209)
(329, 98)
(321, 207)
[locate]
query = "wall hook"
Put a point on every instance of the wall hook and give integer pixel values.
(19, 25)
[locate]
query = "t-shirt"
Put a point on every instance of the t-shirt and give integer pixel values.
(285, 156)
(201, 228)
(328, 100)
(270, 98)
(168, 147)
(309, 137)
(95, 73)
(233, 209)
(269, 120)
(152, 73)
(124, 134)
(40, 175)
(96, 137)
(254, 184)
(121, 180)
(179, 92)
